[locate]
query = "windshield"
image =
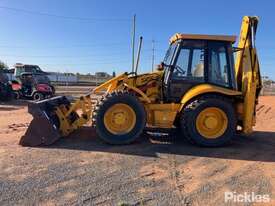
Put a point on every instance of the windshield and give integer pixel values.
(41, 79)
(27, 68)
(168, 60)
(32, 68)
(169, 54)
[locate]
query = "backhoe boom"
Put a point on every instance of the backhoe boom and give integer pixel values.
(247, 71)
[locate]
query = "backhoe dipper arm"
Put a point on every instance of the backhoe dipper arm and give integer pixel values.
(247, 71)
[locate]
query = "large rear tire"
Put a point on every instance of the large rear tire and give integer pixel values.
(209, 121)
(119, 118)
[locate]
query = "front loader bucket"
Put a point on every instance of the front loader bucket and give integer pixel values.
(40, 132)
(44, 128)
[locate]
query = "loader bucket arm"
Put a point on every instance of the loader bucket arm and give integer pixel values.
(58, 117)
(111, 84)
(247, 71)
(55, 118)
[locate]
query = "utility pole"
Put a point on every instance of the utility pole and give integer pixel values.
(153, 55)
(138, 54)
(133, 43)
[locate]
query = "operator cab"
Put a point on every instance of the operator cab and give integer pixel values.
(197, 59)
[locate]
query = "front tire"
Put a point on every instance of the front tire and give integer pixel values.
(209, 121)
(37, 96)
(16, 95)
(119, 118)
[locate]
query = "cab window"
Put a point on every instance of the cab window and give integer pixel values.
(181, 67)
(218, 65)
(190, 61)
(197, 66)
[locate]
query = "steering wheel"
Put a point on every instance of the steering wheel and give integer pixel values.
(180, 70)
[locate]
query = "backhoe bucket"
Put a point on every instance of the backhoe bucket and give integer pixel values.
(44, 128)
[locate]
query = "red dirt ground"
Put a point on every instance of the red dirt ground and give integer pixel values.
(82, 170)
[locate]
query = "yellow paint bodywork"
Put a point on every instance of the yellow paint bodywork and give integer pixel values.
(148, 88)
(161, 115)
(135, 83)
(247, 73)
(83, 107)
(212, 122)
(138, 91)
(164, 115)
(204, 89)
(147, 85)
(111, 84)
(120, 119)
(179, 36)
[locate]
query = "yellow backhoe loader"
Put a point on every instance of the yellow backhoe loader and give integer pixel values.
(197, 88)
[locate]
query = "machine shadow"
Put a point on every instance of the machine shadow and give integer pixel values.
(260, 146)
(13, 105)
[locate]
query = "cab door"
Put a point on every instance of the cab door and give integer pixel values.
(188, 70)
(220, 72)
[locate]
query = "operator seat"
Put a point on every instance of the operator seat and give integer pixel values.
(198, 71)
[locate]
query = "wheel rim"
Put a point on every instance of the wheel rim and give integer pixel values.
(37, 96)
(120, 119)
(17, 95)
(211, 122)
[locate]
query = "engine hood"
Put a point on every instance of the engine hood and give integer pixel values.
(125, 78)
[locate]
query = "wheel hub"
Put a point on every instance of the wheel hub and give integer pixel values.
(211, 122)
(119, 119)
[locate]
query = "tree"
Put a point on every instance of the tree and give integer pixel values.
(267, 82)
(3, 66)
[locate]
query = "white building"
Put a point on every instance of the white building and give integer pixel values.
(62, 77)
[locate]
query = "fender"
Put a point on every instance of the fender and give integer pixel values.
(207, 88)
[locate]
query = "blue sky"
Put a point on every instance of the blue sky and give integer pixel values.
(99, 38)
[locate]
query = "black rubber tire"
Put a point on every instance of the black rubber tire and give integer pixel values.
(105, 103)
(5, 92)
(37, 96)
(53, 90)
(191, 111)
(16, 95)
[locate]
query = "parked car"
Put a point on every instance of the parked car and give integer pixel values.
(33, 86)
(5, 87)
(19, 69)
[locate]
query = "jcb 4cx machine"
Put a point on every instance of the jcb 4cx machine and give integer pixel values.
(197, 88)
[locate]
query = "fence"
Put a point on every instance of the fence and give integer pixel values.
(268, 90)
(85, 80)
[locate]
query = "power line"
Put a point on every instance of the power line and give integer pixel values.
(64, 56)
(63, 17)
(83, 64)
(65, 47)
(114, 44)
(121, 53)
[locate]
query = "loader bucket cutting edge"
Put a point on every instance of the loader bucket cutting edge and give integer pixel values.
(43, 129)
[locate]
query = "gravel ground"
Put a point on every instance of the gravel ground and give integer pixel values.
(82, 170)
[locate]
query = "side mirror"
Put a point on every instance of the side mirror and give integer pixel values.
(160, 66)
